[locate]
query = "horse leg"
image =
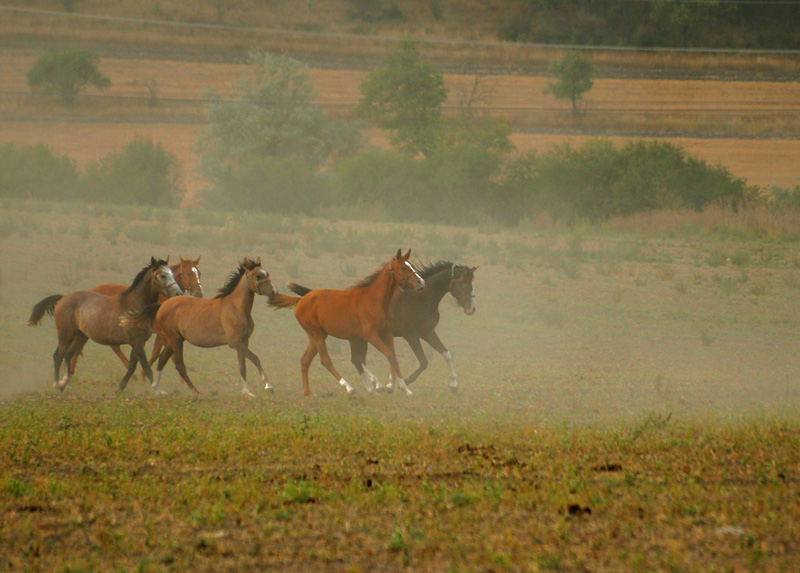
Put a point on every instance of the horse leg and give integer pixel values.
(158, 345)
(67, 352)
(416, 346)
(177, 349)
(325, 359)
(384, 342)
(166, 354)
(118, 351)
(305, 364)
(358, 356)
(134, 360)
(433, 339)
(245, 352)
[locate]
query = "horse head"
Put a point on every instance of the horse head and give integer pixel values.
(163, 279)
(257, 277)
(404, 273)
(188, 276)
(462, 289)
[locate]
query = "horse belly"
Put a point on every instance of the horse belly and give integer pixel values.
(100, 321)
(202, 331)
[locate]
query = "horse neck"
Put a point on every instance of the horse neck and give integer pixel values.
(242, 296)
(436, 286)
(383, 284)
(143, 293)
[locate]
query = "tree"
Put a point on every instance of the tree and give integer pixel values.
(575, 77)
(66, 73)
(405, 96)
(271, 124)
(141, 173)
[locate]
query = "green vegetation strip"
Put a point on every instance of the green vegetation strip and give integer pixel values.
(149, 484)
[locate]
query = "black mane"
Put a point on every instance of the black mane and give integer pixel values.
(430, 269)
(154, 264)
(231, 283)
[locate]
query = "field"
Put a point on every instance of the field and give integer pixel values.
(628, 401)
(628, 391)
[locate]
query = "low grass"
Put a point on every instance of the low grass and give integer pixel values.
(628, 401)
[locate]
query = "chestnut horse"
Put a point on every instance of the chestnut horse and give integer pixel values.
(360, 312)
(188, 278)
(84, 315)
(416, 315)
(211, 322)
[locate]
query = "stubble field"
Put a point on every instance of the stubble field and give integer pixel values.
(628, 401)
(628, 392)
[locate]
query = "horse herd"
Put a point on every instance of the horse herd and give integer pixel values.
(398, 299)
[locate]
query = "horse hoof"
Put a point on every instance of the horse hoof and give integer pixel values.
(269, 388)
(248, 393)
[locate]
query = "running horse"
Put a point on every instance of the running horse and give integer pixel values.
(210, 322)
(416, 315)
(360, 312)
(188, 278)
(84, 315)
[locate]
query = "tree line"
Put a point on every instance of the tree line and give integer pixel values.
(271, 148)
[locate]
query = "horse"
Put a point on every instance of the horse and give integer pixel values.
(416, 315)
(360, 312)
(188, 278)
(84, 315)
(211, 322)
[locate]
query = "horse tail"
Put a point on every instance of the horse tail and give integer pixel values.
(277, 300)
(45, 306)
(298, 289)
(143, 318)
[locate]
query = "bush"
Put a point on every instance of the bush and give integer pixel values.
(454, 186)
(35, 172)
(142, 173)
(66, 73)
(598, 180)
(270, 184)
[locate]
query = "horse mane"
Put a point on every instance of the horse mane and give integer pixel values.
(154, 264)
(230, 284)
(428, 270)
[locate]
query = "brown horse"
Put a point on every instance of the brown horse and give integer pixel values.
(211, 322)
(84, 315)
(188, 278)
(361, 312)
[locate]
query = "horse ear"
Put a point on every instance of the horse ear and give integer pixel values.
(399, 254)
(258, 261)
(197, 260)
(473, 269)
(408, 254)
(167, 261)
(152, 261)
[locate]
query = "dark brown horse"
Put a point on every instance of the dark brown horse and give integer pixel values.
(360, 312)
(187, 276)
(84, 315)
(211, 322)
(416, 315)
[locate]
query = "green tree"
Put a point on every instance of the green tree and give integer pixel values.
(575, 77)
(65, 73)
(141, 173)
(405, 96)
(271, 124)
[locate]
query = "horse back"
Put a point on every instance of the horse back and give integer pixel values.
(341, 313)
(109, 289)
(95, 315)
(200, 321)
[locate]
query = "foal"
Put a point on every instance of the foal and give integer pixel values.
(361, 312)
(212, 322)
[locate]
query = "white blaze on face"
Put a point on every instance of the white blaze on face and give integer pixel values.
(416, 274)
